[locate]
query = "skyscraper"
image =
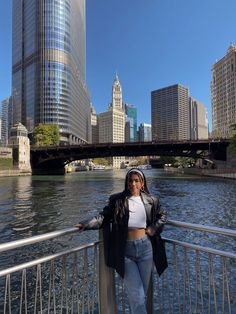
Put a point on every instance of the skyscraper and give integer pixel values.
(131, 123)
(111, 124)
(198, 120)
(223, 94)
(48, 67)
(94, 125)
(6, 117)
(170, 113)
(145, 132)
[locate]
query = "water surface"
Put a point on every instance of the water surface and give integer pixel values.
(39, 204)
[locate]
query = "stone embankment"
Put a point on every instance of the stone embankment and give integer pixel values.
(229, 173)
(14, 173)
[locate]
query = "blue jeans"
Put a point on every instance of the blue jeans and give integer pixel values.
(138, 268)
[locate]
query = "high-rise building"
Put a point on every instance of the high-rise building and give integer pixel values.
(198, 120)
(145, 132)
(48, 67)
(94, 125)
(111, 124)
(130, 123)
(6, 117)
(223, 94)
(170, 113)
(0, 130)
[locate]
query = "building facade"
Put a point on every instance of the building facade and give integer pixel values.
(198, 120)
(111, 124)
(223, 94)
(130, 123)
(145, 132)
(6, 120)
(48, 67)
(170, 113)
(94, 125)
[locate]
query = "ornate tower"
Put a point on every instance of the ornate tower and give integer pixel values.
(112, 122)
(116, 94)
(19, 142)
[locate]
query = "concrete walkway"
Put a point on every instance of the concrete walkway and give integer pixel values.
(229, 173)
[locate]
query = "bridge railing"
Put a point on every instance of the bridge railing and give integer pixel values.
(199, 279)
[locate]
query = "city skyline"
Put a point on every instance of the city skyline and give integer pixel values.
(149, 46)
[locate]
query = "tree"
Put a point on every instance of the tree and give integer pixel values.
(101, 161)
(184, 161)
(46, 134)
(232, 145)
(167, 160)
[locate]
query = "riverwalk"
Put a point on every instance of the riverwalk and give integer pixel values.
(227, 173)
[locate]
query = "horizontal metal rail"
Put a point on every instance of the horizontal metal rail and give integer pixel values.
(39, 238)
(65, 282)
(222, 231)
(198, 280)
(45, 259)
(201, 248)
(79, 248)
(51, 235)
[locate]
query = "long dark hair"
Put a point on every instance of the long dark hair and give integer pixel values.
(141, 176)
(119, 210)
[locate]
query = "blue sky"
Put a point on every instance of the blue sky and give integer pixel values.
(149, 43)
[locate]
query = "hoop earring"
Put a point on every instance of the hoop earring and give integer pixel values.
(142, 189)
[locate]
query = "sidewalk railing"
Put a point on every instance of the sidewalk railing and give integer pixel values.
(198, 280)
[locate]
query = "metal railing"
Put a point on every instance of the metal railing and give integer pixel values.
(198, 280)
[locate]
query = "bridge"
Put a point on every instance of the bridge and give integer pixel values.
(52, 159)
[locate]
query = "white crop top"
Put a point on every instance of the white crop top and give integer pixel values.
(137, 213)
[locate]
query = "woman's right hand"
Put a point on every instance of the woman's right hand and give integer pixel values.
(80, 226)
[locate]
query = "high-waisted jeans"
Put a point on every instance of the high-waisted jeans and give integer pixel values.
(138, 268)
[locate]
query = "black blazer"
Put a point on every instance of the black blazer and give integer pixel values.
(115, 230)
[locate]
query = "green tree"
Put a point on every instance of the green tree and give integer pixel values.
(46, 134)
(101, 161)
(184, 161)
(232, 145)
(167, 160)
(139, 161)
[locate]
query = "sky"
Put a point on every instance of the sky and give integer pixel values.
(150, 44)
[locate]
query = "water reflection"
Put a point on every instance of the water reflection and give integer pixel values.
(22, 211)
(35, 205)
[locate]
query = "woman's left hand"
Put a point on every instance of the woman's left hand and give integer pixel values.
(80, 226)
(150, 231)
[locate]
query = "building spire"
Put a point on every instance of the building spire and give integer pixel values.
(116, 94)
(116, 77)
(231, 47)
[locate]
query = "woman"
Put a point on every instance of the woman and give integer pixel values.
(132, 222)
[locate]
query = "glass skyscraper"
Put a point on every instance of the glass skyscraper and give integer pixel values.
(48, 67)
(6, 117)
(131, 123)
(145, 132)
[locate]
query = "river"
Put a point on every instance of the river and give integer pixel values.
(35, 205)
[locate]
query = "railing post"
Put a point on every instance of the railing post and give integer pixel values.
(107, 299)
